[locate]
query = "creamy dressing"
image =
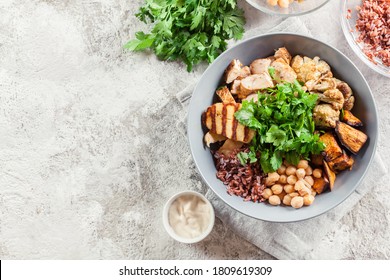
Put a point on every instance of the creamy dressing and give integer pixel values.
(189, 216)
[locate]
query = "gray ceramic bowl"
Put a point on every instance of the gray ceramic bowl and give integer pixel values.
(263, 46)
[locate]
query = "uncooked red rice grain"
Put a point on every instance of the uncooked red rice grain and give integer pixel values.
(373, 23)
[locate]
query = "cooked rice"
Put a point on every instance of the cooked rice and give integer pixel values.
(244, 181)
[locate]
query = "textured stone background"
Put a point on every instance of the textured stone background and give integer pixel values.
(87, 152)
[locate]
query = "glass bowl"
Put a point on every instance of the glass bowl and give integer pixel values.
(349, 15)
(295, 8)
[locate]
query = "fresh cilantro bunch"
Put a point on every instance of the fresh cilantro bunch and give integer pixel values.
(189, 30)
(282, 117)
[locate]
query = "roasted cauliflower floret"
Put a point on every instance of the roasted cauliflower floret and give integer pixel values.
(309, 69)
(325, 116)
(321, 85)
(321, 65)
(332, 96)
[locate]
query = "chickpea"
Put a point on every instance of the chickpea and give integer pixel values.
(282, 169)
(277, 189)
(283, 3)
(282, 179)
(287, 200)
(303, 164)
(299, 185)
(271, 179)
(293, 194)
(310, 180)
(307, 185)
(281, 195)
(267, 193)
(288, 188)
(291, 170)
(309, 171)
(297, 202)
(317, 173)
(308, 199)
(292, 179)
(304, 191)
(274, 200)
(272, 2)
(286, 163)
(300, 173)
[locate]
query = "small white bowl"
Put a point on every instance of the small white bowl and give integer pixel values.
(171, 231)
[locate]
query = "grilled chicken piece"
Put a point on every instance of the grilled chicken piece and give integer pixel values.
(283, 71)
(229, 147)
(261, 65)
(219, 118)
(245, 72)
(253, 96)
(323, 84)
(210, 138)
(235, 70)
(332, 96)
(235, 87)
(254, 83)
(325, 116)
(332, 148)
(283, 54)
(225, 95)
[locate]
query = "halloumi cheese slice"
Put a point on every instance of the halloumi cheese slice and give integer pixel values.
(219, 118)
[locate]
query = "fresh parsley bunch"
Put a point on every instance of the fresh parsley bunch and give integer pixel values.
(189, 30)
(282, 117)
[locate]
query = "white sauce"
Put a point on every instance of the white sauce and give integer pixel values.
(189, 216)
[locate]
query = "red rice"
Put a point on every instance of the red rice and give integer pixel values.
(244, 181)
(374, 26)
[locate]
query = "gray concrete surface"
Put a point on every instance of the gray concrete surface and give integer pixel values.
(87, 158)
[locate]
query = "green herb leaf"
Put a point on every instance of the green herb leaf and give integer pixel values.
(191, 31)
(243, 157)
(282, 117)
(271, 71)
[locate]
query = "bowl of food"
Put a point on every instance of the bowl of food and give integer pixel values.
(287, 7)
(366, 28)
(282, 127)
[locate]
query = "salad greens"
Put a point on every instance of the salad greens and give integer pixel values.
(282, 117)
(189, 30)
